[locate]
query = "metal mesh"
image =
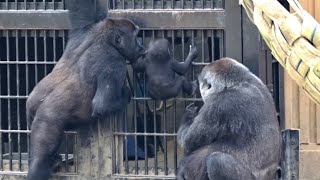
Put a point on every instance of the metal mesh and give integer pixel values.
(155, 133)
(31, 4)
(166, 4)
(26, 56)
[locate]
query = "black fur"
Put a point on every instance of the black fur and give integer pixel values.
(164, 75)
(236, 134)
(87, 82)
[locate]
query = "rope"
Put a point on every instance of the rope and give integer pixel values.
(294, 40)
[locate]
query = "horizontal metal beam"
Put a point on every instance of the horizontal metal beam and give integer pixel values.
(146, 19)
(174, 19)
(34, 19)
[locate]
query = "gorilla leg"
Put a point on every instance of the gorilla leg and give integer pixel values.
(221, 166)
(46, 136)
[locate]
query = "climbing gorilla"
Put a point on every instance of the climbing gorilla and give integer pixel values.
(89, 81)
(235, 135)
(164, 75)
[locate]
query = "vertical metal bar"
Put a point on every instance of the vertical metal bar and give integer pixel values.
(182, 4)
(175, 149)
(64, 40)
(27, 86)
(7, 4)
(165, 137)
(36, 54)
(133, 4)
(16, 4)
(202, 45)
(123, 4)
(66, 156)
(152, 3)
(202, 4)
(53, 4)
(44, 4)
(155, 139)
(75, 152)
(172, 42)
(162, 4)
(63, 4)
(212, 4)
(25, 4)
(143, 4)
(221, 44)
(183, 45)
(135, 130)
(126, 141)
(9, 100)
(172, 4)
(35, 4)
(54, 46)
(113, 152)
(192, 4)
(145, 130)
(45, 51)
(18, 94)
(1, 135)
(114, 4)
(212, 46)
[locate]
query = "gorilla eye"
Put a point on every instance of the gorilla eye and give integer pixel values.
(209, 86)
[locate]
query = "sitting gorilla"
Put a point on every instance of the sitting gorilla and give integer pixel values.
(235, 135)
(161, 68)
(89, 81)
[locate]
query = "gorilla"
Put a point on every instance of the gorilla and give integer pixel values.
(235, 135)
(88, 82)
(164, 78)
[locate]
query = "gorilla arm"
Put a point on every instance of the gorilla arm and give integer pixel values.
(182, 67)
(139, 65)
(111, 95)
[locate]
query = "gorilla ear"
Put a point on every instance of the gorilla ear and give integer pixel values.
(110, 23)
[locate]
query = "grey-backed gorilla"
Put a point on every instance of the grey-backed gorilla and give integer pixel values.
(235, 135)
(164, 75)
(89, 81)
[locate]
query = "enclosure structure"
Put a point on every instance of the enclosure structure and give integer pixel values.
(141, 141)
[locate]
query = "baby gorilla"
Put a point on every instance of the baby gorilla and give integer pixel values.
(235, 135)
(164, 78)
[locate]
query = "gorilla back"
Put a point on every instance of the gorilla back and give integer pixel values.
(235, 135)
(87, 82)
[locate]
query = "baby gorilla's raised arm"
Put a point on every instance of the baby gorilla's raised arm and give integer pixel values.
(182, 67)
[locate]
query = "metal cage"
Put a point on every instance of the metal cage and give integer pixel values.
(141, 141)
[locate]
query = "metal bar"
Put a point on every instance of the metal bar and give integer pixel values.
(66, 153)
(155, 139)
(28, 131)
(290, 149)
(54, 46)
(175, 155)
(174, 19)
(18, 100)
(1, 135)
(9, 101)
(165, 137)
(212, 46)
(45, 51)
(27, 87)
(35, 39)
(126, 143)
